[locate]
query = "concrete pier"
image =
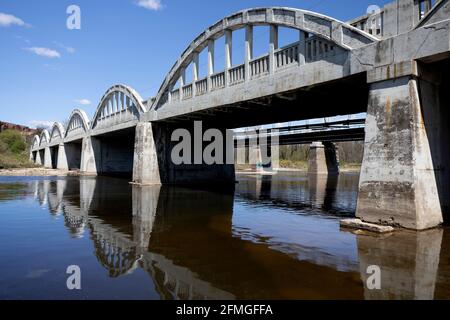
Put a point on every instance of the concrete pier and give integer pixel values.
(397, 183)
(47, 158)
(62, 158)
(323, 158)
(146, 166)
(89, 153)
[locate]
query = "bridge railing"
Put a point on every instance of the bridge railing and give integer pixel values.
(236, 74)
(187, 91)
(175, 94)
(218, 80)
(201, 86)
(259, 66)
(287, 55)
(307, 49)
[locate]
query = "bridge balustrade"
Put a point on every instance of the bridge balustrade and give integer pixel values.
(236, 74)
(201, 86)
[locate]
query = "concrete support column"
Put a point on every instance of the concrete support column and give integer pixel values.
(397, 167)
(47, 158)
(145, 163)
(90, 155)
(248, 50)
(38, 158)
(210, 62)
(31, 156)
(323, 158)
(259, 159)
(273, 46)
(62, 163)
(182, 82)
(302, 47)
(228, 54)
(195, 72)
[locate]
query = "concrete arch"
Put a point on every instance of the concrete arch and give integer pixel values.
(78, 121)
(36, 142)
(44, 138)
(117, 99)
(57, 132)
(338, 32)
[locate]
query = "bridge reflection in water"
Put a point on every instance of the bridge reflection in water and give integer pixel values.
(271, 237)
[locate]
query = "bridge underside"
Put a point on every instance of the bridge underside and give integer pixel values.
(346, 96)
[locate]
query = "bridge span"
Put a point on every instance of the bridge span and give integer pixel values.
(394, 65)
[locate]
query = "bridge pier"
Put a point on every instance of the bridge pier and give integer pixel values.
(145, 162)
(89, 155)
(323, 158)
(47, 158)
(61, 162)
(398, 183)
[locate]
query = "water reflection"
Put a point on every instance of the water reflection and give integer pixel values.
(272, 237)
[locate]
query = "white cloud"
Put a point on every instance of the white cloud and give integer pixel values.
(84, 102)
(44, 52)
(150, 4)
(41, 123)
(68, 49)
(7, 20)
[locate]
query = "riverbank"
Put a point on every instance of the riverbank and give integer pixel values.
(37, 172)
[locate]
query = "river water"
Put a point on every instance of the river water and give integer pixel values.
(272, 237)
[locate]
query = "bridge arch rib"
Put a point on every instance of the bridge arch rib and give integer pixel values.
(78, 124)
(120, 104)
(36, 142)
(44, 138)
(334, 31)
(57, 133)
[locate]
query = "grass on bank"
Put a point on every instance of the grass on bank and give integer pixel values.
(14, 150)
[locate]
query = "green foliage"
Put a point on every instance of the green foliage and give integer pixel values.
(13, 140)
(13, 150)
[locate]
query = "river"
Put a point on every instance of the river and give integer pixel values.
(271, 237)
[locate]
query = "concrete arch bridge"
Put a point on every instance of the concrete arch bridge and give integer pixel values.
(393, 65)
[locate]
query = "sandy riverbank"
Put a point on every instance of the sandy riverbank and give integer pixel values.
(34, 172)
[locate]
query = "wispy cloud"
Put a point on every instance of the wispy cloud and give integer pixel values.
(22, 38)
(68, 49)
(84, 102)
(7, 20)
(44, 52)
(150, 4)
(41, 123)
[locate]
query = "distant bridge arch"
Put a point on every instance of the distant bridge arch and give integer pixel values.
(78, 124)
(121, 105)
(36, 142)
(57, 133)
(45, 137)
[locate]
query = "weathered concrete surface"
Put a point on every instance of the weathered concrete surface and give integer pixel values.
(146, 167)
(90, 152)
(397, 182)
(358, 224)
(62, 158)
(323, 158)
(47, 158)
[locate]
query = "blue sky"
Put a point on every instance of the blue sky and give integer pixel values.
(47, 70)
